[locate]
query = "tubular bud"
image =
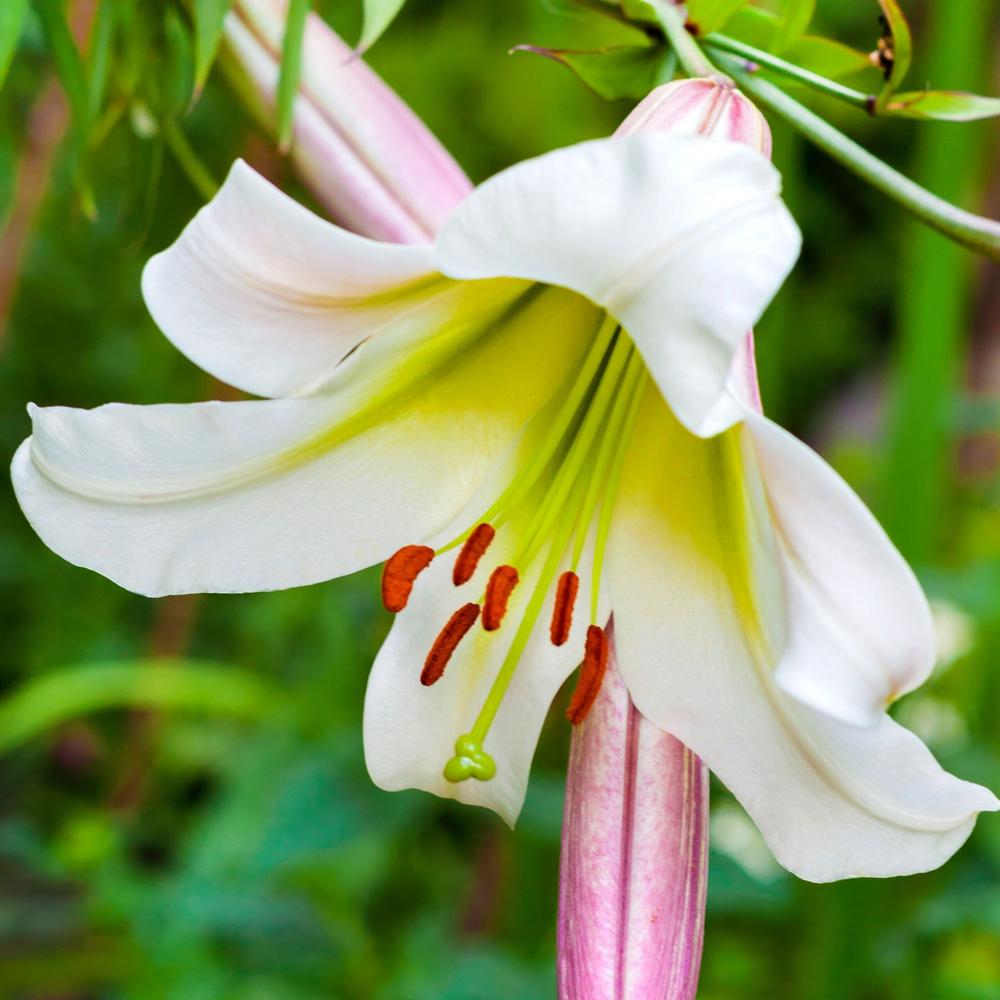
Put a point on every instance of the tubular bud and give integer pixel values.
(634, 857)
(365, 156)
(707, 106)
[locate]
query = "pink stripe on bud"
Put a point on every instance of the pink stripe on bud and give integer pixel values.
(361, 151)
(707, 106)
(634, 865)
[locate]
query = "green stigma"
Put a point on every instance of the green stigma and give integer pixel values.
(470, 761)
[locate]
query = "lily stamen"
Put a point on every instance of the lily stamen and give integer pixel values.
(502, 581)
(447, 641)
(400, 572)
(472, 551)
(592, 670)
(562, 611)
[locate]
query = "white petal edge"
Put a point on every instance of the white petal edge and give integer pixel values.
(89, 482)
(266, 296)
(684, 239)
(860, 632)
(256, 495)
(832, 800)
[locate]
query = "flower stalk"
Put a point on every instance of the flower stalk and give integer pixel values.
(969, 230)
(797, 73)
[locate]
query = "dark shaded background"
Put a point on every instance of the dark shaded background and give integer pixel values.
(226, 843)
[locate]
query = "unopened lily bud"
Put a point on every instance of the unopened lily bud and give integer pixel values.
(634, 858)
(707, 106)
(364, 155)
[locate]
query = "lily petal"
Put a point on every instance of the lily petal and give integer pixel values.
(832, 800)
(860, 630)
(268, 297)
(262, 495)
(654, 228)
(410, 730)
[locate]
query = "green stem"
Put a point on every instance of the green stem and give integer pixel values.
(969, 230)
(189, 161)
(798, 73)
(694, 61)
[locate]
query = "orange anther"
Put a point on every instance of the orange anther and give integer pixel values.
(595, 663)
(400, 570)
(472, 551)
(502, 581)
(444, 645)
(562, 610)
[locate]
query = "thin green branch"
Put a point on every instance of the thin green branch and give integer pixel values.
(189, 161)
(972, 231)
(688, 52)
(797, 73)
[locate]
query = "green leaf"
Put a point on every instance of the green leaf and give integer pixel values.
(792, 23)
(711, 15)
(61, 695)
(754, 26)
(626, 71)
(942, 105)
(68, 63)
(379, 14)
(291, 69)
(179, 65)
(827, 57)
(12, 13)
(824, 56)
(99, 56)
(209, 18)
(895, 49)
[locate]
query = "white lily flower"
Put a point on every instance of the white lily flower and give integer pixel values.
(549, 403)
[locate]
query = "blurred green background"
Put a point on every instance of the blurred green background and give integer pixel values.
(185, 811)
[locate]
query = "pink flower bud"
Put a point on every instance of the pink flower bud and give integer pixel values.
(634, 861)
(706, 106)
(360, 150)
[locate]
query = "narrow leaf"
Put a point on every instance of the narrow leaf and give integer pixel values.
(895, 49)
(824, 56)
(65, 694)
(291, 69)
(68, 63)
(209, 17)
(942, 105)
(379, 14)
(629, 71)
(178, 81)
(827, 57)
(12, 13)
(755, 26)
(99, 56)
(795, 18)
(710, 15)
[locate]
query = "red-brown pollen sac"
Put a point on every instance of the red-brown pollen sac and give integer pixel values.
(448, 639)
(502, 581)
(562, 610)
(400, 570)
(595, 663)
(472, 551)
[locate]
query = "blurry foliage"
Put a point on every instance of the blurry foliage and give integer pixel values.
(183, 843)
